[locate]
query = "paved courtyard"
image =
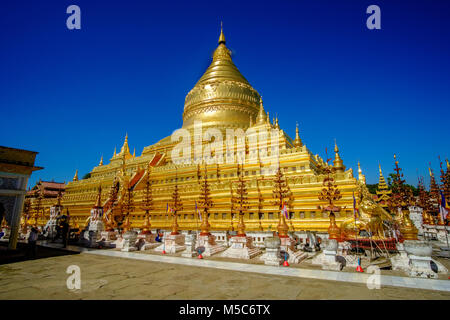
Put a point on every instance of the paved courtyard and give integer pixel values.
(105, 277)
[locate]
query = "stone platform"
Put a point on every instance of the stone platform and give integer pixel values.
(210, 245)
(173, 243)
(241, 248)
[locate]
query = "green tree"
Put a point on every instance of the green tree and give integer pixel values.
(86, 176)
(391, 184)
(372, 188)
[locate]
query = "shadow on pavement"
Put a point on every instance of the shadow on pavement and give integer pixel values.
(20, 254)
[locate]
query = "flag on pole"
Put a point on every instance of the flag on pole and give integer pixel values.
(198, 211)
(285, 211)
(442, 210)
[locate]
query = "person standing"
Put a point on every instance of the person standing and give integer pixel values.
(32, 238)
(64, 232)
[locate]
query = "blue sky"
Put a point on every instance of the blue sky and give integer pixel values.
(72, 95)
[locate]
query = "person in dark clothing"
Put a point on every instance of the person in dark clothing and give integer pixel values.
(32, 238)
(64, 227)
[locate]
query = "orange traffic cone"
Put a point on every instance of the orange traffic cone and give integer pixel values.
(164, 252)
(200, 256)
(285, 263)
(359, 268)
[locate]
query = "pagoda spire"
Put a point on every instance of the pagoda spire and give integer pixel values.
(435, 196)
(445, 182)
(297, 142)
(268, 118)
(148, 200)
(134, 152)
(75, 177)
(176, 206)
(277, 126)
(241, 199)
(434, 189)
(361, 177)
(261, 118)
(402, 198)
(222, 36)
(125, 148)
(115, 152)
(330, 193)
(206, 203)
(383, 191)
(338, 164)
(280, 193)
(424, 202)
(101, 161)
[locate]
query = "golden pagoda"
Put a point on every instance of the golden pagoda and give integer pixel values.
(222, 99)
(383, 192)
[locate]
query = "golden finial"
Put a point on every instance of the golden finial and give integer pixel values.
(261, 118)
(222, 36)
(268, 118)
(361, 177)
(115, 149)
(276, 123)
(430, 171)
(338, 164)
(134, 152)
(448, 164)
(395, 158)
(101, 161)
(75, 177)
(297, 142)
(379, 167)
(125, 151)
(336, 149)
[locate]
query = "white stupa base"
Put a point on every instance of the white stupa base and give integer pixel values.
(173, 243)
(241, 248)
(287, 245)
(211, 247)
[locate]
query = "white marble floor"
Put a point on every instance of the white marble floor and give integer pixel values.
(384, 280)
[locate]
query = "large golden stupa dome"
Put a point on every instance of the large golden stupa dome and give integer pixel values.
(222, 98)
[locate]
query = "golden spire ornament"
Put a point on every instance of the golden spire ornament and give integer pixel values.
(127, 207)
(401, 199)
(176, 207)
(222, 36)
(280, 193)
(331, 193)
(205, 203)
(241, 200)
(261, 118)
(361, 177)
(435, 197)
(297, 142)
(75, 177)
(101, 161)
(148, 201)
(424, 202)
(277, 126)
(338, 164)
(383, 192)
(445, 182)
